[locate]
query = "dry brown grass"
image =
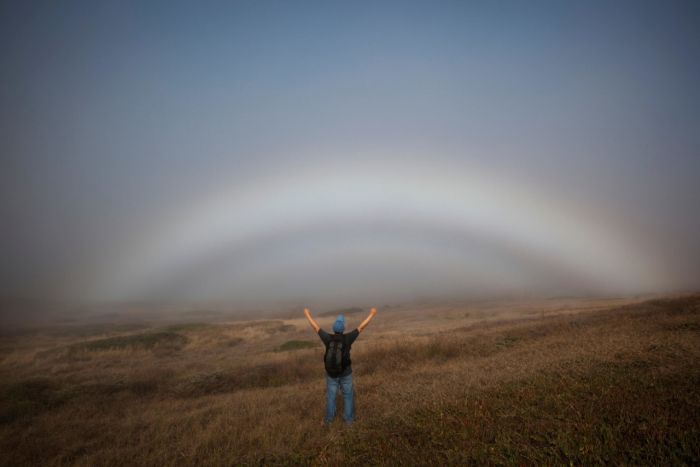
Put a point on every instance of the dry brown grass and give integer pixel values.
(582, 381)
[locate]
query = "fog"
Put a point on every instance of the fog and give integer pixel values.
(348, 153)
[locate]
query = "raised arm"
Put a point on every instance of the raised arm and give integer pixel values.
(362, 325)
(313, 323)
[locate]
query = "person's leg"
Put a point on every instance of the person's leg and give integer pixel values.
(348, 398)
(331, 391)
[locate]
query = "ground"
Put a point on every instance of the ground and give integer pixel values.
(551, 381)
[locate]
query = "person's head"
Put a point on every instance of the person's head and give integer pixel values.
(339, 325)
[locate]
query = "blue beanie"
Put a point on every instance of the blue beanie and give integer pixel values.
(339, 325)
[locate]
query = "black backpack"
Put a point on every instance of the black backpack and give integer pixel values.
(334, 356)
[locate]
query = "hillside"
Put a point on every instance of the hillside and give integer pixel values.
(548, 381)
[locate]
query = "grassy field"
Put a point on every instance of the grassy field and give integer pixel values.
(521, 382)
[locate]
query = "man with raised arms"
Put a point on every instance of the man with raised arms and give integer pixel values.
(338, 364)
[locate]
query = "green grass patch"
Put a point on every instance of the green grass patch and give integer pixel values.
(507, 341)
(233, 341)
(185, 327)
(28, 398)
(684, 327)
(149, 340)
(89, 330)
(295, 345)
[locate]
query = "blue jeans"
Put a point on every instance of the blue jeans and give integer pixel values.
(345, 384)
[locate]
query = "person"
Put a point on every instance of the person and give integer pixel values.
(339, 379)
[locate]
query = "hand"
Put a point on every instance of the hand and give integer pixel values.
(306, 311)
(373, 311)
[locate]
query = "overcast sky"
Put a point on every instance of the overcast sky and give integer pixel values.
(344, 151)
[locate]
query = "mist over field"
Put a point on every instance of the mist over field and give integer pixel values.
(361, 153)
